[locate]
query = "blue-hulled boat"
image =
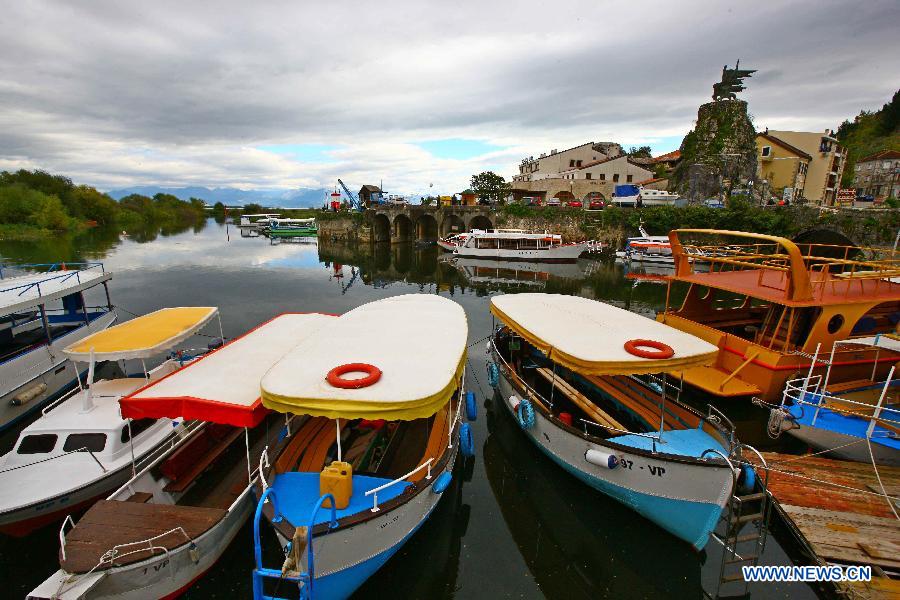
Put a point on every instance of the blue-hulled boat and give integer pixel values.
(577, 376)
(855, 420)
(375, 402)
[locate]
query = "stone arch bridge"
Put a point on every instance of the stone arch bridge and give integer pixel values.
(414, 223)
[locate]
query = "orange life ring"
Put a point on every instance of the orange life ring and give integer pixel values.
(335, 376)
(660, 350)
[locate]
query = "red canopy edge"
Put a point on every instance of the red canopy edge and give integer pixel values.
(188, 407)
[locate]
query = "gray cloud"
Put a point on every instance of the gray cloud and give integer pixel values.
(116, 93)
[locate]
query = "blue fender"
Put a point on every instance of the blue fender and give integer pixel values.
(442, 482)
(493, 374)
(747, 479)
(466, 440)
(525, 414)
(471, 406)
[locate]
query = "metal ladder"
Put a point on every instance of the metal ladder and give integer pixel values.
(743, 528)
(260, 573)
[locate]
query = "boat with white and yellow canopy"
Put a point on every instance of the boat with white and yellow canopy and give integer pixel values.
(81, 447)
(578, 376)
(168, 524)
(380, 388)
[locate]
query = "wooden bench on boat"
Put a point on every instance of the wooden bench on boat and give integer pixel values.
(188, 462)
(111, 523)
(580, 400)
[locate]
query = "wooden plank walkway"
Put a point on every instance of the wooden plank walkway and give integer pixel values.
(841, 526)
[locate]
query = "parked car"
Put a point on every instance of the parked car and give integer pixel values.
(574, 204)
(531, 200)
(554, 202)
(596, 204)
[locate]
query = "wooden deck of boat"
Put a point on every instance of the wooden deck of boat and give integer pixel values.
(110, 522)
(840, 526)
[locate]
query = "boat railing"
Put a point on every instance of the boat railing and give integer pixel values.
(797, 391)
(722, 425)
(374, 491)
(59, 400)
(49, 458)
(51, 267)
(159, 453)
(60, 276)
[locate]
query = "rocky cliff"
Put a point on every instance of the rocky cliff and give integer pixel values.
(719, 153)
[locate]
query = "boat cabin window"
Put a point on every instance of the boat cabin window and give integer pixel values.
(92, 442)
(41, 443)
(138, 426)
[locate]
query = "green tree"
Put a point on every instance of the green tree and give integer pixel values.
(490, 186)
(94, 205)
(642, 152)
(252, 208)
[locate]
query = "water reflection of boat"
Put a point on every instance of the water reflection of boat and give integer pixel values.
(519, 273)
(577, 542)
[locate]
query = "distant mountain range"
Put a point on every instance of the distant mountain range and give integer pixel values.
(297, 198)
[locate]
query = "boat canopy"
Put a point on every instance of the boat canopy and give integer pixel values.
(886, 341)
(223, 386)
(27, 291)
(417, 341)
(145, 336)
(589, 337)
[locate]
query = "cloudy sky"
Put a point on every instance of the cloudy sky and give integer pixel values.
(276, 95)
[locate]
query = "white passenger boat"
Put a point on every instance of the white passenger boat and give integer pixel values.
(257, 221)
(168, 524)
(518, 244)
(40, 314)
(654, 249)
(361, 475)
(452, 242)
(856, 420)
(81, 447)
(575, 374)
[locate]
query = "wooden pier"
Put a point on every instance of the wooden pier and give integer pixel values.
(841, 526)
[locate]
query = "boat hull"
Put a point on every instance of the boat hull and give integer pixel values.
(846, 447)
(564, 253)
(43, 366)
(145, 579)
(686, 499)
(346, 558)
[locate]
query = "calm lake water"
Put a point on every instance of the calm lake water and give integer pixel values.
(513, 525)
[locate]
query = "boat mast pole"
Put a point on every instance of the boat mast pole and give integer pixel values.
(337, 426)
(131, 443)
(662, 407)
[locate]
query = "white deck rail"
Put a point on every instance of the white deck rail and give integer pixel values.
(375, 491)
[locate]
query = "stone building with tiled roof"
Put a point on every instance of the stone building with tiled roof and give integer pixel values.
(878, 175)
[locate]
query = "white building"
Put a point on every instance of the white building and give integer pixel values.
(550, 166)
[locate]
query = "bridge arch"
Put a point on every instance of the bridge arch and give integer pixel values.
(452, 224)
(381, 228)
(403, 228)
(828, 237)
(426, 228)
(480, 222)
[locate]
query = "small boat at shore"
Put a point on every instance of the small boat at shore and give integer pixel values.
(172, 520)
(516, 244)
(291, 228)
(578, 377)
(42, 312)
(854, 420)
(632, 195)
(81, 447)
(257, 221)
(379, 396)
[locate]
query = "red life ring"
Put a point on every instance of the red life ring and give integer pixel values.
(660, 350)
(335, 376)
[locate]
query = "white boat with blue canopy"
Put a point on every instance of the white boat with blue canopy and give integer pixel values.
(579, 377)
(172, 520)
(379, 391)
(855, 420)
(43, 309)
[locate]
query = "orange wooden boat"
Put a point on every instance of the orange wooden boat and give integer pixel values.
(769, 304)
